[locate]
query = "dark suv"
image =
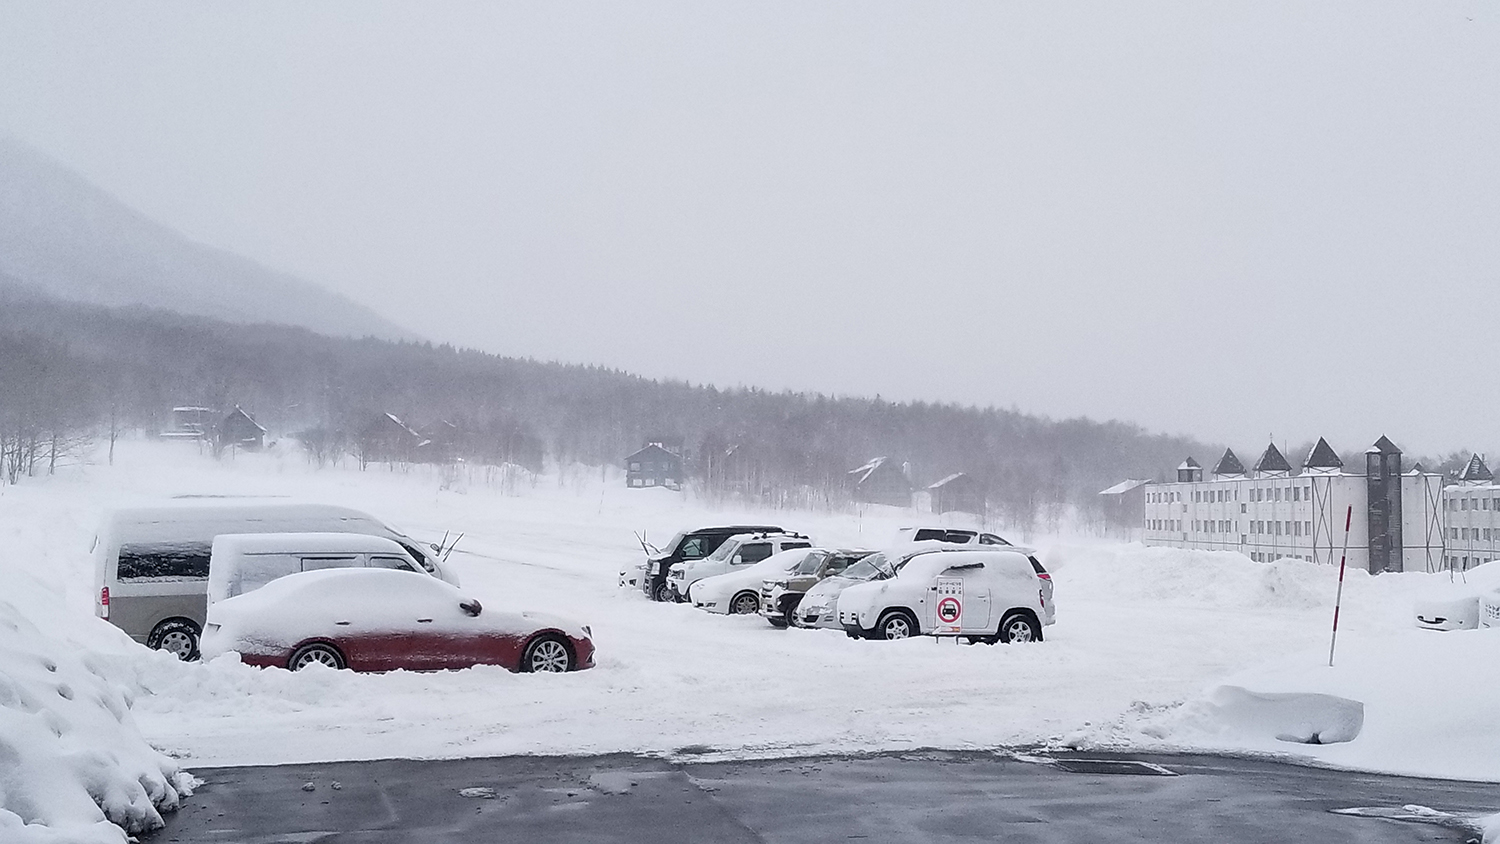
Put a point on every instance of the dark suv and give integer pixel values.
(688, 545)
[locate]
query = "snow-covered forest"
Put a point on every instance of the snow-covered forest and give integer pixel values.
(73, 372)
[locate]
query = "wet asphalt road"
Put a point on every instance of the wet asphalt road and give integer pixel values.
(926, 797)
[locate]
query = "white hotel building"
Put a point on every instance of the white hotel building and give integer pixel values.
(1471, 517)
(1395, 518)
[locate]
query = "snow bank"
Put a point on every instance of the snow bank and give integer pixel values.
(1428, 703)
(73, 765)
(1287, 716)
(1223, 580)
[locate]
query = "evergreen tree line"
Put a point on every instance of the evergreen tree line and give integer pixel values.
(69, 370)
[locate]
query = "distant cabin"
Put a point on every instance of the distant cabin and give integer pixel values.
(239, 430)
(957, 493)
(882, 481)
(387, 439)
(654, 466)
(190, 422)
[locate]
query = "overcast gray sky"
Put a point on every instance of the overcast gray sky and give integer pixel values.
(1224, 219)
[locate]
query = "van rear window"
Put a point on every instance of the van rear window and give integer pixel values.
(164, 560)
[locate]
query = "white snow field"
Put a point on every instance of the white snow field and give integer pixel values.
(1154, 648)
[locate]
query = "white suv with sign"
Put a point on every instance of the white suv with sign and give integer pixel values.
(736, 554)
(985, 596)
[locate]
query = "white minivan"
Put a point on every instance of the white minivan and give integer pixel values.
(151, 564)
(244, 562)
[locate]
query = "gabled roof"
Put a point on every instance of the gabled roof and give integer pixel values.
(1190, 463)
(1476, 471)
(948, 480)
(396, 420)
(865, 471)
(1383, 446)
(1122, 487)
(1272, 461)
(248, 418)
(649, 451)
(1229, 464)
(1323, 456)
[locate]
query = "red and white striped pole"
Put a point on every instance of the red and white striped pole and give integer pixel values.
(1348, 520)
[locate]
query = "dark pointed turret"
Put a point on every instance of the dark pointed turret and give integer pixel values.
(1476, 472)
(1323, 458)
(1229, 464)
(1190, 471)
(1272, 462)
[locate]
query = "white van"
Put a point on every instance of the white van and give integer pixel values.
(244, 562)
(151, 564)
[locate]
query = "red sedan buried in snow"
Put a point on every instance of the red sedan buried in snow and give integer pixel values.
(382, 620)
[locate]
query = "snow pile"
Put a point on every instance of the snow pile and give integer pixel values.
(1220, 579)
(73, 765)
(1287, 716)
(1428, 701)
(1490, 827)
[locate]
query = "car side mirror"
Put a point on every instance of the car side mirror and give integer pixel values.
(737, 560)
(435, 547)
(470, 607)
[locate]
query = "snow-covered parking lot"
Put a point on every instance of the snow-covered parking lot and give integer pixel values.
(1147, 651)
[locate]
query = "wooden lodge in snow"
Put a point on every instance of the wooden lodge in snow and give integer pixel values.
(240, 430)
(882, 481)
(957, 493)
(656, 465)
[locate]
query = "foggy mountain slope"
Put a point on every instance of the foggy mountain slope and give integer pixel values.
(136, 363)
(62, 234)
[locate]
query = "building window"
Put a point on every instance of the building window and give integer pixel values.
(1453, 534)
(1463, 504)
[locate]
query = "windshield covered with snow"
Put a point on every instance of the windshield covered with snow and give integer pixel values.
(810, 565)
(874, 567)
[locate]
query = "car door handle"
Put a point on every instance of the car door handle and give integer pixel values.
(342, 623)
(424, 621)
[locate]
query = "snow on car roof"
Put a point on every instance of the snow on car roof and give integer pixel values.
(210, 508)
(306, 543)
(932, 559)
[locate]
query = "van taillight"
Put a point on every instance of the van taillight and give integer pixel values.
(1041, 575)
(104, 602)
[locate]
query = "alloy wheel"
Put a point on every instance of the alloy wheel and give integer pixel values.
(549, 655)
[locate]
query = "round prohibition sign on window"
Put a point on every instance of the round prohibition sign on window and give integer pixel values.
(948, 610)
